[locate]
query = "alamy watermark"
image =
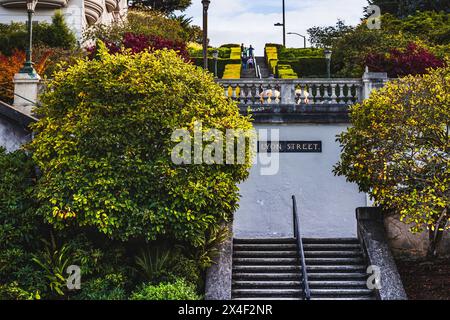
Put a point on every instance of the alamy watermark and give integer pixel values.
(374, 279)
(74, 280)
(374, 20)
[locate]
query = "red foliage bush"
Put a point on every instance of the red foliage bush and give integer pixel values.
(413, 60)
(138, 43)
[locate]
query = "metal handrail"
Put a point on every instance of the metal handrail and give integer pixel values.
(298, 237)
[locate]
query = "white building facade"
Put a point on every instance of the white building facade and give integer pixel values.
(79, 14)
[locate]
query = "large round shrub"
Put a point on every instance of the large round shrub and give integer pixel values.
(104, 148)
(398, 151)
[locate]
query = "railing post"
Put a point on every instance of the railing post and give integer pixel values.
(372, 81)
(287, 92)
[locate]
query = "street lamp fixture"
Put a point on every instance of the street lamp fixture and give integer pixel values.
(205, 4)
(283, 24)
(328, 53)
(215, 57)
(298, 34)
(28, 65)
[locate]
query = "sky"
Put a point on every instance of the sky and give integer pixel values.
(252, 21)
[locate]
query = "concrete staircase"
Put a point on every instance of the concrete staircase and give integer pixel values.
(265, 73)
(251, 73)
(269, 269)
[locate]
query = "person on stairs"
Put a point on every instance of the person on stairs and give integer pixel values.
(251, 62)
(244, 61)
(251, 50)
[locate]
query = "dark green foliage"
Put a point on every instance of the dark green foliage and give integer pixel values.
(19, 223)
(56, 35)
(404, 8)
(20, 227)
(166, 6)
(109, 287)
(324, 37)
(351, 46)
(177, 290)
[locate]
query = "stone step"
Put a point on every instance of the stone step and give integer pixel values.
(292, 253)
(337, 254)
(330, 241)
(341, 292)
(337, 284)
(265, 247)
(333, 261)
(265, 261)
(311, 269)
(266, 241)
(267, 284)
(266, 269)
(331, 246)
(343, 299)
(266, 276)
(267, 292)
(335, 269)
(262, 299)
(334, 276)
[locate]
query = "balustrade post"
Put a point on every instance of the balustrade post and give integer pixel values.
(287, 93)
(372, 81)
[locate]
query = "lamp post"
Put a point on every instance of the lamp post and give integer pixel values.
(28, 65)
(216, 57)
(298, 34)
(328, 54)
(283, 24)
(205, 4)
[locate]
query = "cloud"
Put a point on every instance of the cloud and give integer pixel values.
(252, 21)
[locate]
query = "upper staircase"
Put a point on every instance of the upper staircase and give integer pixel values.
(251, 73)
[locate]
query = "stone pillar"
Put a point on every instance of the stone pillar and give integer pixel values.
(373, 81)
(287, 93)
(26, 89)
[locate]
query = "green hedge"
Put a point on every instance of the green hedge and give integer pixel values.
(221, 63)
(230, 45)
(224, 53)
(308, 67)
(297, 53)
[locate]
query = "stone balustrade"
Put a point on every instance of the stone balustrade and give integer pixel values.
(298, 91)
(272, 92)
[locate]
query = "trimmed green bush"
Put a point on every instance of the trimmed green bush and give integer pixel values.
(230, 45)
(104, 148)
(308, 67)
(178, 290)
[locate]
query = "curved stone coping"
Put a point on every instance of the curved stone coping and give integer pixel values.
(93, 11)
(371, 234)
(111, 5)
(42, 4)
